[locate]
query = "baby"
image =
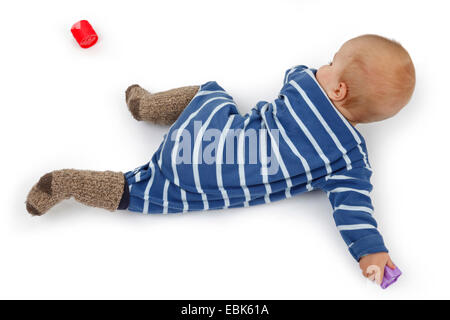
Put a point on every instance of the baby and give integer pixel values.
(214, 158)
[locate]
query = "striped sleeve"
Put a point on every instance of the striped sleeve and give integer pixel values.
(292, 72)
(349, 195)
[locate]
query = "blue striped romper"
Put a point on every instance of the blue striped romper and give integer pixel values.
(214, 158)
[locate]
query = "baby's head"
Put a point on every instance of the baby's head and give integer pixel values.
(370, 79)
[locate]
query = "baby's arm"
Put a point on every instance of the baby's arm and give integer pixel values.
(349, 194)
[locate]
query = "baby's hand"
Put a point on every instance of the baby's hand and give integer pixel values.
(372, 265)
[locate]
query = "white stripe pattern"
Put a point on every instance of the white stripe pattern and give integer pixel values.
(338, 177)
(345, 189)
(286, 79)
(137, 177)
(180, 131)
(196, 153)
(355, 227)
(354, 208)
(219, 161)
(323, 123)
(205, 92)
(147, 188)
(276, 150)
(308, 135)
(241, 163)
(294, 149)
(264, 156)
(165, 196)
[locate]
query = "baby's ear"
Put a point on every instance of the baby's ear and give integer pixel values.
(340, 92)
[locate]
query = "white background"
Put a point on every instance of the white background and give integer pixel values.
(63, 107)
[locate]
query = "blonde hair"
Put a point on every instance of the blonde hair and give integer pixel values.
(380, 71)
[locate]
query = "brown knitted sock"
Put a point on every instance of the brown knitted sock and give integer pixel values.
(92, 188)
(161, 108)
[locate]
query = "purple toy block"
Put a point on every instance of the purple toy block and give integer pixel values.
(390, 276)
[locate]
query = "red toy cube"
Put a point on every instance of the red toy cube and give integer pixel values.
(84, 34)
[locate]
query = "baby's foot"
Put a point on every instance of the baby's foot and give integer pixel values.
(133, 97)
(93, 188)
(41, 197)
(162, 107)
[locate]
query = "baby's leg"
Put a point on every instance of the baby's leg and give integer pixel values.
(161, 108)
(106, 190)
